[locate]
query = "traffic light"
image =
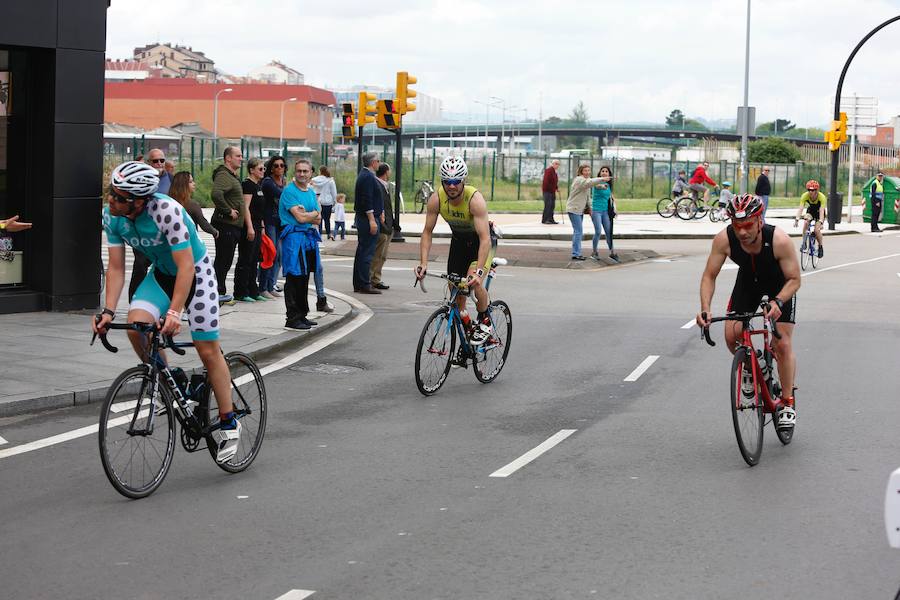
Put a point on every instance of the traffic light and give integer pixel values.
(837, 135)
(348, 129)
(366, 109)
(404, 80)
(387, 116)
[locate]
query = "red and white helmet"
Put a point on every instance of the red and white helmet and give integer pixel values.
(744, 206)
(453, 167)
(136, 178)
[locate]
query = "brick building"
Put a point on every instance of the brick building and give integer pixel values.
(248, 110)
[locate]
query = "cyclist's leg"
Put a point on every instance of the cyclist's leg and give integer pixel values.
(741, 301)
(458, 259)
(784, 350)
(818, 231)
(217, 372)
(481, 295)
(149, 303)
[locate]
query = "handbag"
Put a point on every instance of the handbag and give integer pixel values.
(611, 210)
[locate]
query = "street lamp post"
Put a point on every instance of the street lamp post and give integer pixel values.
(281, 128)
(502, 118)
(745, 134)
(216, 118)
(487, 108)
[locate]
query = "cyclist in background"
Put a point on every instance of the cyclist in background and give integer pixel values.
(473, 242)
(698, 178)
(680, 185)
(767, 266)
(181, 277)
(813, 201)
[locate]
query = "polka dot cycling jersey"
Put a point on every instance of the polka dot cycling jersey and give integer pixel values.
(162, 228)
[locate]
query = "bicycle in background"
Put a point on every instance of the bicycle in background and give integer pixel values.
(809, 250)
(423, 193)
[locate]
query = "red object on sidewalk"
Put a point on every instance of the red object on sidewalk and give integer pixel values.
(267, 252)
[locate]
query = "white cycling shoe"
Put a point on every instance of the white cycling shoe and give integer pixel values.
(787, 417)
(227, 441)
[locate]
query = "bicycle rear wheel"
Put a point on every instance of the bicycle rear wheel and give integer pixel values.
(804, 254)
(421, 199)
(137, 434)
(436, 345)
(746, 413)
(665, 207)
(686, 208)
(248, 394)
(489, 358)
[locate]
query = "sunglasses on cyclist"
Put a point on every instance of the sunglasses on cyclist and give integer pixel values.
(120, 198)
(452, 181)
(744, 225)
(811, 190)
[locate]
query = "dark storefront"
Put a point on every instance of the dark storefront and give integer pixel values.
(51, 146)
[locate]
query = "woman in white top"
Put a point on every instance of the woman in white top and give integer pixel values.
(326, 192)
(579, 204)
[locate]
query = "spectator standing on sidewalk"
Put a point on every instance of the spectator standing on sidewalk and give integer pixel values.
(579, 204)
(602, 212)
(230, 216)
(272, 185)
(550, 189)
(170, 169)
(246, 287)
(763, 190)
(182, 191)
(340, 223)
(326, 191)
(369, 207)
(387, 227)
(876, 193)
(299, 214)
(156, 158)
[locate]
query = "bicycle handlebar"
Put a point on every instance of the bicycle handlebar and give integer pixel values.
(745, 316)
(145, 328)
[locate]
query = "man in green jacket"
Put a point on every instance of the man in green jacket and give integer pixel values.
(231, 215)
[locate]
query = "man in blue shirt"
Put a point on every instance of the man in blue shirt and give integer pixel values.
(298, 210)
(369, 207)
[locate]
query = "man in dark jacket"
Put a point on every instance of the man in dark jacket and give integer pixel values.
(230, 216)
(550, 189)
(763, 189)
(387, 227)
(369, 207)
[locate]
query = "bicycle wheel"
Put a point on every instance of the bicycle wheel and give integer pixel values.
(137, 434)
(665, 207)
(489, 358)
(685, 209)
(814, 256)
(436, 345)
(804, 254)
(248, 394)
(746, 413)
(702, 209)
(421, 199)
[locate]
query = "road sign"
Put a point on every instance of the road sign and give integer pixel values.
(862, 114)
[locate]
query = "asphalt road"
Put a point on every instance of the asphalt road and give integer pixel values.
(365, 489)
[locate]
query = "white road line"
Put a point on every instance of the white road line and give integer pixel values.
(364, 315)
(641, 368)
(689, 324)
(296, 595)
(533, 453)
(337, 259)
(2, 441)
(850, 264)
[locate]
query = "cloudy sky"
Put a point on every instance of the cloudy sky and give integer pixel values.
(628, 60)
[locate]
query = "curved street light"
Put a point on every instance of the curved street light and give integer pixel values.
(216, 116)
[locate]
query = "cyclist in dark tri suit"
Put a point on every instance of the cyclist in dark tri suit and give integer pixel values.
(768, 266)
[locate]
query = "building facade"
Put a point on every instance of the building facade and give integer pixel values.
(177, 61)
(276, 72)
(247, 110)
(51, 145)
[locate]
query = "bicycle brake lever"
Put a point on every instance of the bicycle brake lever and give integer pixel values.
(705, 334)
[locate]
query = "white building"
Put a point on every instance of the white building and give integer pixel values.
(277, 72)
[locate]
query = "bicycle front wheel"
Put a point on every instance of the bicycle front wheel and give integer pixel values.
(421, 199)
(665, 207)
(814, 256)
(489, 358)
(137, 433)
(746, 412)
(248, 395)
(804, 254)
(685, 209)
(436, 345)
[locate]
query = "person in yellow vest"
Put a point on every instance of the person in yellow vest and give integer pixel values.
(876, 195)
(814, 202)
(472, 244)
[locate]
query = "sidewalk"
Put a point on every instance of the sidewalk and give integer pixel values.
(46, 362)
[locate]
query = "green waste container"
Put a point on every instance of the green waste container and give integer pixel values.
(891, 193)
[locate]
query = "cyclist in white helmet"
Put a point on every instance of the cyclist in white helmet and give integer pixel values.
(181, 277)
(472, 244)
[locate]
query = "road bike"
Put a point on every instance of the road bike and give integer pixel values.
(809, 250)
(437, 350)
(755, 388)
(694, 207)
(666, 206)
(137, 419)
(423, 193)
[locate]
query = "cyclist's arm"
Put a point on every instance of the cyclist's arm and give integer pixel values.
(432, 210)
(184, 260)
(478, 208)
(786, 255)
(717, 256)
(823, 214)
(804, 198)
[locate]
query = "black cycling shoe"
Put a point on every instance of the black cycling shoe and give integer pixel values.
(821, 251)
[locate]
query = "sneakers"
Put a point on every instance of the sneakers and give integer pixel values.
(322, 305)
(821, 251)
(786, 415)
(614, 256)
(577, 257)
(245, 299)
(595, 255)
(481, 333)
(297, 325)
(267, 295)
(747, 384)
(226, 299)
(275, 293)
(227, 438)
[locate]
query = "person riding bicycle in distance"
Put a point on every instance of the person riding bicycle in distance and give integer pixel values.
(472, 243)
(181, 277)
(814, 202)
(767, 266)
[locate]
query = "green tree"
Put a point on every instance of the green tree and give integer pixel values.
(577, 118)
(773, 150)
(776, 126)
(675, 120)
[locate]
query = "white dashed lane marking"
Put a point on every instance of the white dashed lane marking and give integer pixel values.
(296, 595)
(533, 453)
(642, 368)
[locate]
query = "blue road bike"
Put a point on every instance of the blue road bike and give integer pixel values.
(809, 250)
(437, 349)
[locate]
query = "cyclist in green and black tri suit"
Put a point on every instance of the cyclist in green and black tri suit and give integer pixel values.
(473, 242)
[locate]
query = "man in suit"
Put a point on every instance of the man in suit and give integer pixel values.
(368, 204)
(387, 227)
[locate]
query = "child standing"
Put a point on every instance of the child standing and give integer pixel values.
(339, 217)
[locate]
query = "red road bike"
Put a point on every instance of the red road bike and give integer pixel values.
(755, 388)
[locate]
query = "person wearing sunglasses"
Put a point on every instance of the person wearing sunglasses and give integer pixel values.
(813, 202)
(181, 278)
(156, 158)
(767, 266)
(473, 242)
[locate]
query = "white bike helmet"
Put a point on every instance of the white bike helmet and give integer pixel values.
(136, 178)
(453, 167)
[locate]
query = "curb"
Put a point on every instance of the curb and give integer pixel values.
(98, 393)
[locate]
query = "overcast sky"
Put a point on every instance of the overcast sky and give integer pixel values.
(628, 60)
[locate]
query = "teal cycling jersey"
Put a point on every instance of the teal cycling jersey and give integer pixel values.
(163, 227)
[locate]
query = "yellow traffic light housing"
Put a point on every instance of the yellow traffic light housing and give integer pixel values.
(404, 80)
(366, 109)
(837, 135)
(387, 117)
(348, 125)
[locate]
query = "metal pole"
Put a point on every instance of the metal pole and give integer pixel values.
(493, 172)
(396, 236)
(540, 121)
(359, 150)
(745, 135)
(281, 127)
(850, 186)
(519, 182)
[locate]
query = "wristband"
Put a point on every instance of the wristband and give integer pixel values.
(778, 302)
(174, 313)
(2, 225)
(110, 312)
(480, 272)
